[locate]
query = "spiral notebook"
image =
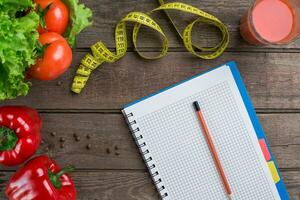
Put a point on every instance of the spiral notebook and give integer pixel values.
(169, 137)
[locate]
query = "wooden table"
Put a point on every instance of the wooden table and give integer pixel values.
(112, 168)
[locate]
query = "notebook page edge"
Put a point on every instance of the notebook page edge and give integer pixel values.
(243, 103)
(177, 84)
(259, 132)
(175, 92)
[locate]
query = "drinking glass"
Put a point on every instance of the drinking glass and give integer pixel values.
(269, 22)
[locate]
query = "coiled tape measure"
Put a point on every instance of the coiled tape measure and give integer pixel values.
(101, 54)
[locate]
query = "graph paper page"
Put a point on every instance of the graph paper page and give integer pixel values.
(172, 133)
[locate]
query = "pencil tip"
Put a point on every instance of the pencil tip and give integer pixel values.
(196, 106)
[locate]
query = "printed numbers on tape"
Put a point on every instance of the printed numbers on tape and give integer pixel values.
(101, 54)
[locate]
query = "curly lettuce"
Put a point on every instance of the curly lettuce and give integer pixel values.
(18, 38)
(80, 18)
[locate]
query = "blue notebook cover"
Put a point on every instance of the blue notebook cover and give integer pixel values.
(270, 159)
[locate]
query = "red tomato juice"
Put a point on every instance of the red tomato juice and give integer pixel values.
(268, 22)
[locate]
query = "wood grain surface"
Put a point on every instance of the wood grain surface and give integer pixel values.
(132, 185)
(112, 168)
(272, 80)
(108, 13)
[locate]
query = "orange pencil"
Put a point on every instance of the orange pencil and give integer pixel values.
(212, 149)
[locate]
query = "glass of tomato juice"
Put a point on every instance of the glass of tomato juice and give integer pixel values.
(270, 22)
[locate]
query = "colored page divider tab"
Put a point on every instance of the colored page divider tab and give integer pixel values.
(265, 149)
(274, 172)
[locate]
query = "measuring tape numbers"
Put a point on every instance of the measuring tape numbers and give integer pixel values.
(101, 54)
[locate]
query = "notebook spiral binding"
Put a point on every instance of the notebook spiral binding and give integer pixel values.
(146, 154)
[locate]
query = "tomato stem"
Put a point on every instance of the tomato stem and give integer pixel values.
(42, 14)
(40, 49)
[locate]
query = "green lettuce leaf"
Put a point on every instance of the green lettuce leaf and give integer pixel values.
(18, 38)
(80, 18)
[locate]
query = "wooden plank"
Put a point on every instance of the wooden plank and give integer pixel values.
(281, 129)
(108, 13)
(112, 146)
(128, 185)
(272, 79)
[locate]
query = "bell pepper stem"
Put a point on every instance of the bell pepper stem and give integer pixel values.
(8, 139)
(55, 177)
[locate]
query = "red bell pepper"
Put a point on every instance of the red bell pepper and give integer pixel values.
(41, 179)
(19, 134)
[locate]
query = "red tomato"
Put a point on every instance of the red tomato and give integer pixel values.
(56, 60)
(56, 18)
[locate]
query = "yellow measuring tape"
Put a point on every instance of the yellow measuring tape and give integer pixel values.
(101, 54)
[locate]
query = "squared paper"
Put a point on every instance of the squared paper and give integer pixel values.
(172, 133)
